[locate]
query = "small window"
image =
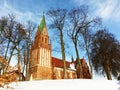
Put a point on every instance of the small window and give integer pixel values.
(42, 39)
(45, 40)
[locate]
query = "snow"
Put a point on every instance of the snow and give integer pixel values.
(72, 66)
(71, 84)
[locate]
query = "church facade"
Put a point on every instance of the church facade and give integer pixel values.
(43, 65)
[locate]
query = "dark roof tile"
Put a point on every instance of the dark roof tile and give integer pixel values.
(56, 62)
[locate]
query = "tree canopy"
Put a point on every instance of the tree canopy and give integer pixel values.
(105, 53)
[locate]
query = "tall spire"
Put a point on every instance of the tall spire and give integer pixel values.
(42, 24)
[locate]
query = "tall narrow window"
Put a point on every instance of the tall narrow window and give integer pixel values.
(42, 39)
(45, 40)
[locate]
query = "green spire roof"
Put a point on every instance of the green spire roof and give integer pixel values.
(42, 24)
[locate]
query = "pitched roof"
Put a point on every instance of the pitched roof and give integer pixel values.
(56, 62)
(42, 24)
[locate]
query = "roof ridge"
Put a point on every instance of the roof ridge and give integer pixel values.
(61, 59)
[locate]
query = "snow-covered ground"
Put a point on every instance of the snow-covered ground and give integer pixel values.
(71, 84)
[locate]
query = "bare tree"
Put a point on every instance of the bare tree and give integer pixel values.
(81, 29)
(58, 20)
(7, 26)
(12, 33)
(15, 37)
(30, 28)
(75, 24)
(20, 36)
(86, 33)
(3, 24)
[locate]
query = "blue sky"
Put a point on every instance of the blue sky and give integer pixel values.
(108, 10)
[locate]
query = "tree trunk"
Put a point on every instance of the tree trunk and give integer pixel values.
(23, 69)
(11, 54)
(27, 64)
(63, 54)
(107, 71)
(91, 71)
(27, 71)
(7, 49)
(79, 71)
(88, 54)
(19, 70)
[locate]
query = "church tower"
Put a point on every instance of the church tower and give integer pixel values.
(40, 59)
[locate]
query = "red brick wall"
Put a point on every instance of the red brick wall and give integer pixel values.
(44, 72)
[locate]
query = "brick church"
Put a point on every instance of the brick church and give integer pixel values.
(43, 65)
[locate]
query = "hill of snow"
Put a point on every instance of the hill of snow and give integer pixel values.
(71, 84)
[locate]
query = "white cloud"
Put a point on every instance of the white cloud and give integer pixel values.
(107, 9)
(6, 9)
